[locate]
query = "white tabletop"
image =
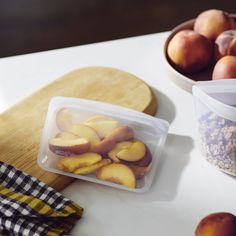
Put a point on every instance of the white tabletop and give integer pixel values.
(185, 187)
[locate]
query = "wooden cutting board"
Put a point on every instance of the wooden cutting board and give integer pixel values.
(21, 125)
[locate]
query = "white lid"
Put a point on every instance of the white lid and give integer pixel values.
(205, 89)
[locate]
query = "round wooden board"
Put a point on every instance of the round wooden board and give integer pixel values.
(21, 125)
(108, 85)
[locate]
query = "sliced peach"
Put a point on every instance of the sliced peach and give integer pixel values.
(102, 125)
(145, 161)
(117, 173)
(72, 163)
(135, 152)
(103, 147)
(123, 133)
(92, 168)
(68, 147)
(139, 171)
(119, 146)
(86, 132)
(64, 119)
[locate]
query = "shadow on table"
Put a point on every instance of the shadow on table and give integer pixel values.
(165, 107)
(174, 159)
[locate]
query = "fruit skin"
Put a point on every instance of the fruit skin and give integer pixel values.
(139, 171)
(117, 173)
(217, 224)
(212, 22)
(232, 47)
(225, 68)
(225, 44)
(189, 51)
(68, 147)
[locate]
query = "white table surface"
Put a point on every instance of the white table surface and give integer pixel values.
(185, 187)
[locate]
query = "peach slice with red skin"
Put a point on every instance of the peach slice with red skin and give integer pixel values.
(135, 152)
(104, 146)
(86, 132)
(66, 144)
(92, 168)
(144, 162)
(139, 171)
(102, 125)
(64, 119)
(119, 134)
(72, 163)
(118, 147)
(117, 173)
(123, 133)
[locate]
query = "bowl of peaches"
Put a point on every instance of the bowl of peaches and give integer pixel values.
(101, 143)
(202, 49)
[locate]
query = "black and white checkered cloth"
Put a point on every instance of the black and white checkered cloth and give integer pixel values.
(30, 207)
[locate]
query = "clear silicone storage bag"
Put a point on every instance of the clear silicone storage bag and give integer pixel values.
(215, 106)
(136, 176)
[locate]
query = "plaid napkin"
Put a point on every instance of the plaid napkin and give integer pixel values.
(30, 207)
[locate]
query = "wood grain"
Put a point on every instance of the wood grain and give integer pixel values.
(21, 125)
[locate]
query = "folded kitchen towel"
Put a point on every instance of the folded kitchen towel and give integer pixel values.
(30, 207)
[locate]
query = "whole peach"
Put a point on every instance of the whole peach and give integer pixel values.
(189, 51)
(217, 224)
(225, 68)
(232, 47)
(225, 44)
(212, 22)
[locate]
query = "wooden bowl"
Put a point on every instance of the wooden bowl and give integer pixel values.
(186, 81)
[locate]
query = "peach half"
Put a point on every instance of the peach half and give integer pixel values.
(68, 146)
(117, 173)
(72, 163)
